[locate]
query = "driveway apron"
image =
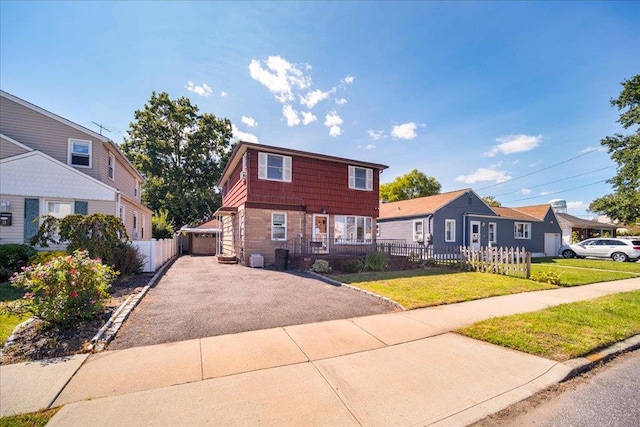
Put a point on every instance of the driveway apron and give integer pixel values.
(197, 297)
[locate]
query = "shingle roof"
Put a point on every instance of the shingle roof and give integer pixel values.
(535, 212)
(418, 206)
(570, 221)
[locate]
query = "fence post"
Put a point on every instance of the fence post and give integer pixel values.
(528, 272)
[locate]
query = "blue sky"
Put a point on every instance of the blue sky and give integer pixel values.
(487, 95)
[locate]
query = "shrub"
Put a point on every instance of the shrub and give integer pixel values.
(375, 261)
(46, 256)
(547, 277)
(320, 266)
(65, 290)
(126, 259)
(430, 262)
(351, 266)
(14, 256)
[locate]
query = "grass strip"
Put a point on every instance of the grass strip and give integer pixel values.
(8, 322)
(598, 264)
(424, 288)
(565, 331)
(34, 419)
(570, 276)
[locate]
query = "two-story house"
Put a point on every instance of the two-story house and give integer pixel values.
(52, 166)
(462, 218)
(272, 196)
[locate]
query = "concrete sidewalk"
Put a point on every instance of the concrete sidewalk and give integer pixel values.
(398, 368)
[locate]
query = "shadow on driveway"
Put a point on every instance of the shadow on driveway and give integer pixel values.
(197, 297)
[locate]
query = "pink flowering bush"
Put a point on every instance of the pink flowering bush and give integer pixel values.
(64, 290)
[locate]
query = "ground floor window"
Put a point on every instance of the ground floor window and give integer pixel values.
(352, 229)
(449, 230)
(522, 230)
(278, 226)
(59, 209)
(492, 232)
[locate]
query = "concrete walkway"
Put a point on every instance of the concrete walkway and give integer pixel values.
(390, 369)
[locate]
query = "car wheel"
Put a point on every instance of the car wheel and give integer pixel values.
(619, 257)
(568, 253)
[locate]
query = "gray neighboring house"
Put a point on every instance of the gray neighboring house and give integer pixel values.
(461, 218)
(584, 227)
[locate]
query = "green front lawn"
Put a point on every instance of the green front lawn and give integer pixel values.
(571, 276)
(598, 264)
(8, 322)
(424, 288)
(565, 331)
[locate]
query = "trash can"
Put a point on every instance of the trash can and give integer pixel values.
(282, 259)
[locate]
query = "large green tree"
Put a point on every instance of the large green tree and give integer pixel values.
(624, 203)
(491, 201)
(181, 153)
(409, 186)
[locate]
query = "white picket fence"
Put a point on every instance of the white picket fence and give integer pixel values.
(157, 252)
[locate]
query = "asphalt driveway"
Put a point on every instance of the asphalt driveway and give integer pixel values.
(197, 297)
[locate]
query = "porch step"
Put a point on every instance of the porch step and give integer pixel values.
(227, 259)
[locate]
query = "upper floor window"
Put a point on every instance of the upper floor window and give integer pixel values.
(449, 230)
(522, 230)
(274, 167)
(79, 153)
(418, 231)
(112, 166)
(136, 190)
(360, 178)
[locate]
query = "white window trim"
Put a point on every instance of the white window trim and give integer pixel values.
(111, 167)
(526, 230)
(493, 225)
(122, 214)
(70, 152)
(352, 178)
(418, 236)
(263, 163)
(285, 226)
(453, 230)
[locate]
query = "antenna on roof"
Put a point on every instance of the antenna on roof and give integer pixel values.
(101, 127)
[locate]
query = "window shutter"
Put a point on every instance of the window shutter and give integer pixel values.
(262, 165)
(80, 207)
(352, 177)
(286, 169)
(369, 179)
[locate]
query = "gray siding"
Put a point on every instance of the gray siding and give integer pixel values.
(456, 209)
(402, 229)
(9, 149)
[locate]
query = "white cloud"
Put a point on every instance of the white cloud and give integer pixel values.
(333, 122)
(524, 191)
(546, 192)
(335, 131)
(404, 131)
(243, 136)
(511, 144)
(203, 90)
(308, 117)
(280, 77)
(249, 121)
(223, 94)
(577, 205)
(376, 135)
(347, 80)
(484, 175)
(341, 101)
(291, 115)
(313, 97)
(590, 149)
(369, 147)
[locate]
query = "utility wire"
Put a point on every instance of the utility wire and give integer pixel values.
(540, 170)
(556, 192)
(558, 180)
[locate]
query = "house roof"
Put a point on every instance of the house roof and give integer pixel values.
(418, 206)
(73, 125)
(570, 221)
(242, 146)
(525, 213)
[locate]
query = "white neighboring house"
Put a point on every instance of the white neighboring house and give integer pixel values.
(52, 166)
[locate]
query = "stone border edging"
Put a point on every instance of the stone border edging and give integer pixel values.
(580, 365)
(336, 283)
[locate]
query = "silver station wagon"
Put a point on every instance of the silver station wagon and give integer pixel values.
(619, 250)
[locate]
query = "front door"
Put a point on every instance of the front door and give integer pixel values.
(475, 235)
(320, 239)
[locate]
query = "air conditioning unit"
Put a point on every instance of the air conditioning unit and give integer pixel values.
(418, 238)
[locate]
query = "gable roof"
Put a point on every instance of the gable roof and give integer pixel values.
(419, 206)
(570, 221)
(75, 126)
(525, 213)
(242, 146)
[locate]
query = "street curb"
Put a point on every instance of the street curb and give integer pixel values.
(113, 325)
(581, 365)
(336, 283)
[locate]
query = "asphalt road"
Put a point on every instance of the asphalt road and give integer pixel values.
(608, 398)
(197, 297)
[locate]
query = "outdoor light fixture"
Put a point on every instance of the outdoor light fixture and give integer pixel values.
(5, 205)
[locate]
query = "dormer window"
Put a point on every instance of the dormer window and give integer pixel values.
(79, 153)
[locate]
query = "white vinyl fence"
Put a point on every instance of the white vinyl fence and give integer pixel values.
(157, 252)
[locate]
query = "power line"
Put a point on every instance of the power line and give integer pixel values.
(556, 192)
(540, 170)
(559, 180)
